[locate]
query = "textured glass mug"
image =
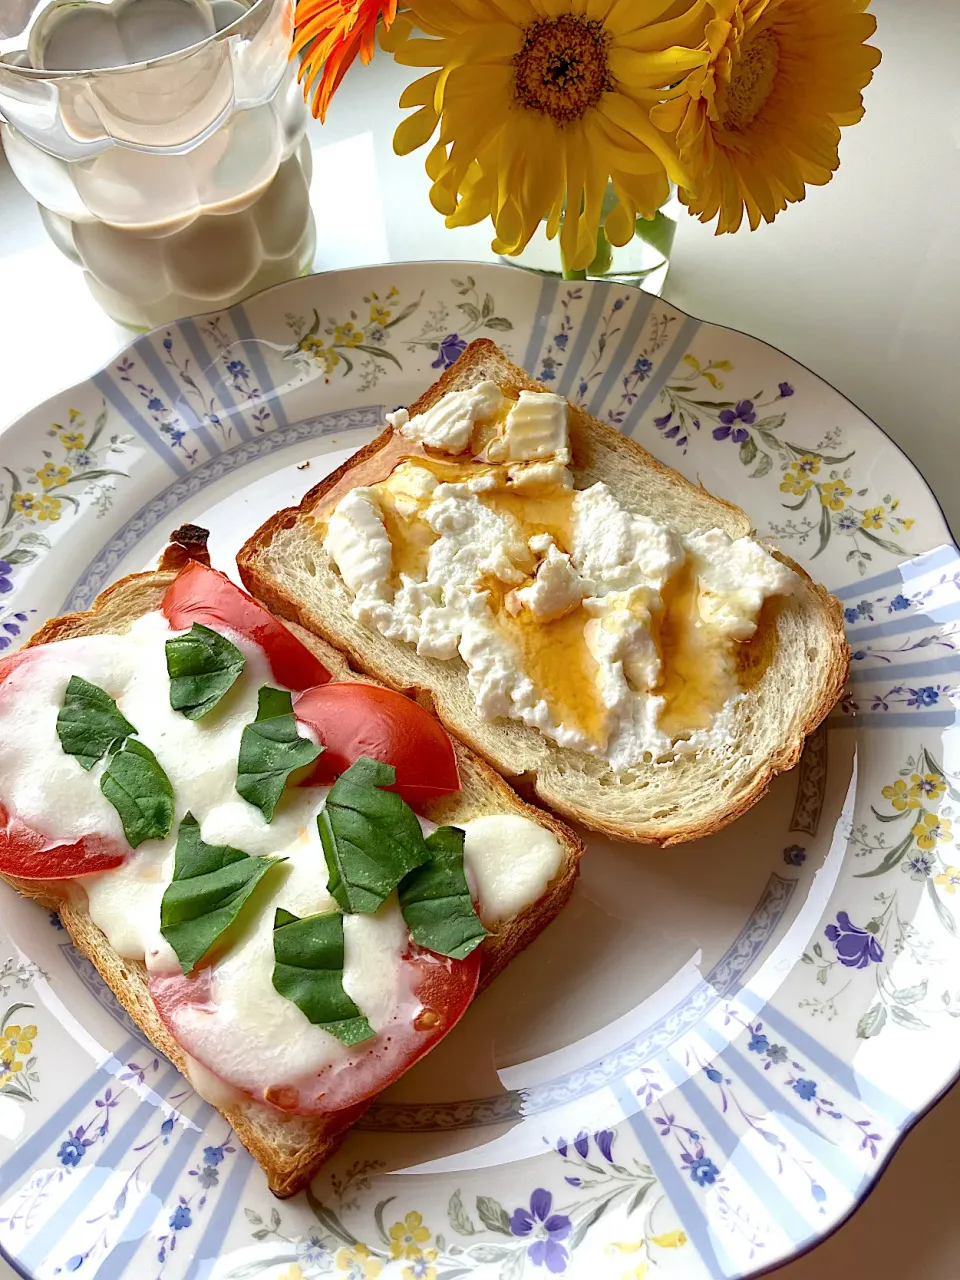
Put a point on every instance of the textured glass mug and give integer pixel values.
(179, 181)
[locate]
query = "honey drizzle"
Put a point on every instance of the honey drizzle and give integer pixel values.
(698, 662)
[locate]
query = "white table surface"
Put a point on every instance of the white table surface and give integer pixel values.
(861, 283)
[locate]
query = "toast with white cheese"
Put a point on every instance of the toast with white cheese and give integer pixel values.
(788, 677)
(290, 1148)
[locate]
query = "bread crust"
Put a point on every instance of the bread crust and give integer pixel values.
(595, 445)
(291, 1159)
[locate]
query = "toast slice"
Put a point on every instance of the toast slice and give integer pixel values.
(289, 1148)
(794, 670)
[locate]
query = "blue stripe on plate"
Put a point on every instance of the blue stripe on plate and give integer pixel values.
(681, 345)
(906, 622)
(908, 671)
(871, 1095)
(90, 1181)
(896, 720)
(207, 1252)
(617, 367)
(813, 1140)
(178, 401)
(907, 571)
(578, 352)
(548, 296)
(152, 1205)
(111, 392)
(695, 1222)
(267, 388)
(54, 1128)
(208, 367)
(734, 1147)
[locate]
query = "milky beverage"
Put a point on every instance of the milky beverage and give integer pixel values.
(163, 141)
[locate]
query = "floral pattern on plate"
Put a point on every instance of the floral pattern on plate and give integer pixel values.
(722, 1126)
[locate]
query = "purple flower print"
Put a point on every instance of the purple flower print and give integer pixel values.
(582, 1144)
(758, 1043)
(213, 1155)
(785, 390)
(560, 341)
(604, 1140)
(660, 423)
(856, 947)
(450, 350)
(852, 615)
(155, 404)
(744, 412)
(925, 697)
(549, 1229)
(6, 583)
(180, 1218)
(704, 1172)
(71, 1152)
(806, 1089)
(643, 368)
(899, 603)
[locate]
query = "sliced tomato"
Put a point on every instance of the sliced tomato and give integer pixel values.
(353, 719)
(442, 991)
(204, 595)
(32, 856)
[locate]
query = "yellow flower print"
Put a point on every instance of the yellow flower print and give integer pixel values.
(51, 476)
(315, 348)
(799, 477)
(670, 1240)
(908, 524)
(422, 1268)
(16, 1040)
(348, 335)
(26, 504)
(358, 1263)
(407, 1236)
(833, 494)
(930, 830)
(73, 440)
(949, 881)
(394, 293)
(293, 1272)
(49, 509)
(900, 797)
(873, 518)
(379, 315)
(930, 787)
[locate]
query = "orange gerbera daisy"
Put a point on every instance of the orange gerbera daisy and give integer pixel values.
(329, 34)
(762, 118)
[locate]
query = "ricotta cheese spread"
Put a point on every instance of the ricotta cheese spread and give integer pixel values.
(606, 630)
(255, 1036)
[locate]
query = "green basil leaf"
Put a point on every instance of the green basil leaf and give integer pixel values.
(89, 722)
(270, 750)
(309, 971)
(135, 784)
(371, 838)
(211, 882)
(202, 665)
(435, 899)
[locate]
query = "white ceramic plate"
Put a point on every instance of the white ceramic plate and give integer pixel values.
(701, 1068)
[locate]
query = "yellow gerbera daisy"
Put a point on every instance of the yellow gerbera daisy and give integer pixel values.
(762, 118)
(540, 103)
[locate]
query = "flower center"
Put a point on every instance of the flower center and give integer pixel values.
(561, 69)
(751, 82)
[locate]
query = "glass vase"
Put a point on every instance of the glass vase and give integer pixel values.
(645, 261)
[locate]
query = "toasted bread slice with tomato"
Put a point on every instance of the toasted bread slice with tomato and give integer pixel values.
(290, 1148)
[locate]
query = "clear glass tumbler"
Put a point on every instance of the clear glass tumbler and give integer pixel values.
(164, 143)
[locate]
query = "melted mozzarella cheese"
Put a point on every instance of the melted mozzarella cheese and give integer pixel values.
(253, 1036)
